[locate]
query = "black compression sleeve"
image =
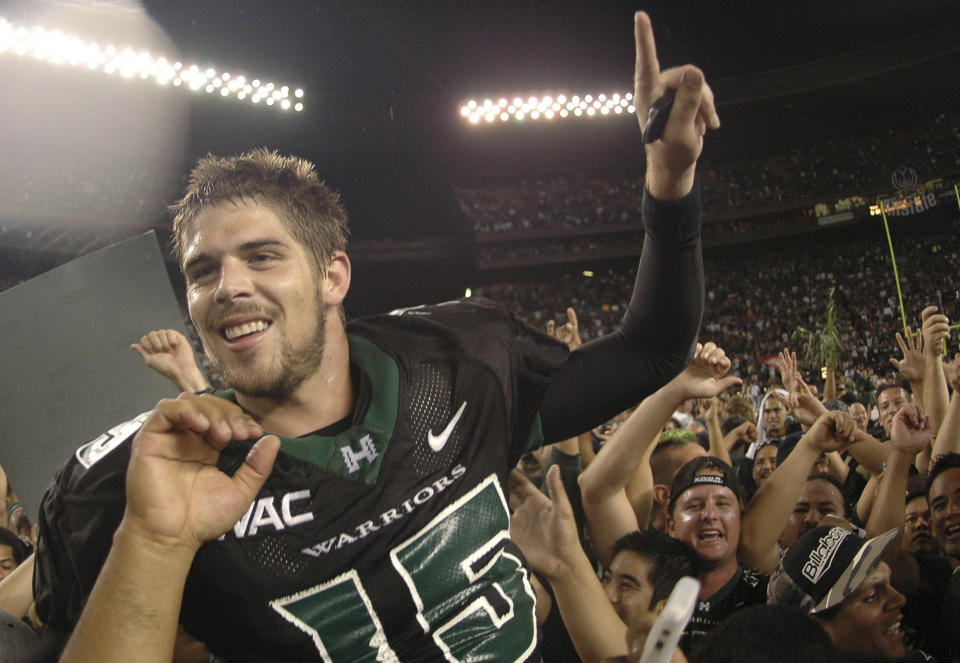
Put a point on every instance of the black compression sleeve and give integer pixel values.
(616, 371)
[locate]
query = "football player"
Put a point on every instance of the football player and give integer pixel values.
(344, 500)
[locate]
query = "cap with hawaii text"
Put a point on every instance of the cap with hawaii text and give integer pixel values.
(705, 470)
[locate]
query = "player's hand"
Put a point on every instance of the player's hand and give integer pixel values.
(911, 432)
(671, 160)
(568, 332)
(176, 495)
(705, 376)
(543, 527)
(168, 352)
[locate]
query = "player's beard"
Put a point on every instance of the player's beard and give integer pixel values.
(296, 363)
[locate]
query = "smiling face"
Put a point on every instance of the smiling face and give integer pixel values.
(255, 297)
(706, 518)
(867, 626)
(819, 498)
(626, 582)
(917, 535)
(944, 498)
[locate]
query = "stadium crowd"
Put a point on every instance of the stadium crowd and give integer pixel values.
(818, 171)
(820, 520)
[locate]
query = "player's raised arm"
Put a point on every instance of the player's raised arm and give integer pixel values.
(177, 499)
(659, 331)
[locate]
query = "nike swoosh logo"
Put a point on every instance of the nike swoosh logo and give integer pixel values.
(438, 442)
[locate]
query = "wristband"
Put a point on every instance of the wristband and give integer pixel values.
(13, 506)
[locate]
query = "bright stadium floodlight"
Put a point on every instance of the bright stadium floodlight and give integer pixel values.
(59, 49)
(547, 106)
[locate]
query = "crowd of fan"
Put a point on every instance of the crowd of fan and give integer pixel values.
(823, 170)
(780, 500)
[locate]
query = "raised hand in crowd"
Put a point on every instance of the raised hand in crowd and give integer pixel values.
(169, 353)
(545, 531)
(709, 410)
(935, 330)
(910, 436)
(948, 436)
(575, 453)
(951, 372)
(766, 515)
(802, 403)
(867, 450)
(910, 366)
(911, 430)
(626, 456)
(568, 332)
(789, 375)
(746, 433)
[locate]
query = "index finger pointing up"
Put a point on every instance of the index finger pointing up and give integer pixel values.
(647, 73)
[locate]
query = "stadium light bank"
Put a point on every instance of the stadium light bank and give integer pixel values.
(55, 47)
(547, 107)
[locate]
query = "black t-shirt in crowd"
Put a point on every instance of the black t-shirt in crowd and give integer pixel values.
(746, 588)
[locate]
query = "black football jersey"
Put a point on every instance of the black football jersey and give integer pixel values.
(387, 541)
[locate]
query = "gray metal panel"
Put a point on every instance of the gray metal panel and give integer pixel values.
(68, 373)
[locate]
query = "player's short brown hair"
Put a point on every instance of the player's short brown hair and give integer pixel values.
(289, 185)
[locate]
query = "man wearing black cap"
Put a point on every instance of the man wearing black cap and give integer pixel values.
(704, 513)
